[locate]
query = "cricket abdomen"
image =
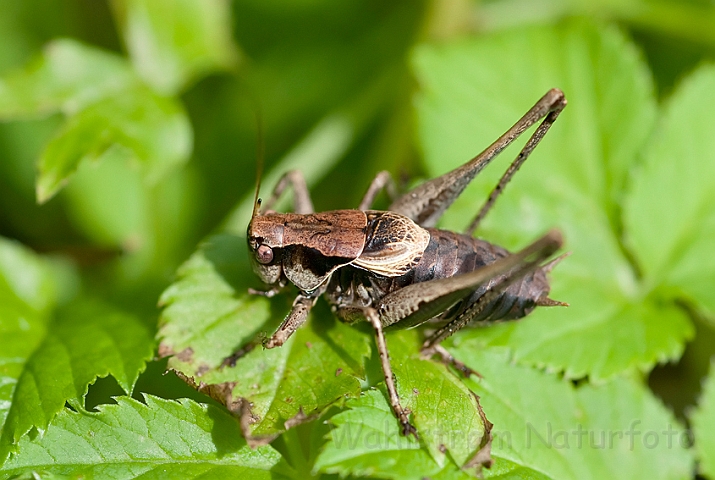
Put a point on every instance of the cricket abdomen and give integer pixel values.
(448, 254)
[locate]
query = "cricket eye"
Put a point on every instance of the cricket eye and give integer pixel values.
(264, 254)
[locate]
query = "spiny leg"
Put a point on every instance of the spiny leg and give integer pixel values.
(556, 108)
(401, 413)
(295, 319)
(426, 203)
(382, 180)
(301, 196)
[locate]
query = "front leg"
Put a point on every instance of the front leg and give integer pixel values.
(297, 317)
(271, 292)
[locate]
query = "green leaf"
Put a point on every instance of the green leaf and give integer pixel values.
(367, 442)
(111, 204)
(323, 363)
(171, 43)
(27, 296)
(109, 112)
(670, 19)
(505, 470)
(108, 202)
(669, 210)
(26, 281)
(592, 145)
(67, 77)
(472, 91)
(209, 315)
(616, 430)
(703, 423)
(139, 126)
(85, 340)
(599, 343)
(446, 414)
(161, 439)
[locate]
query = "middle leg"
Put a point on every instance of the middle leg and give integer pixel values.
(301, 196)
(382, 180)
(400, 412)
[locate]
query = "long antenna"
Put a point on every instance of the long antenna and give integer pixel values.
(260, 157)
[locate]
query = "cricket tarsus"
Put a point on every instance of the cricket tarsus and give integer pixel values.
(231, 360)
(265, 293)
(393, 269)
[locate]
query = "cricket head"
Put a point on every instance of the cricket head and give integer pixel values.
(264, 240)
(304, 249)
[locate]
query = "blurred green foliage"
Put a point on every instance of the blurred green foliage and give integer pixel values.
(130, 132)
